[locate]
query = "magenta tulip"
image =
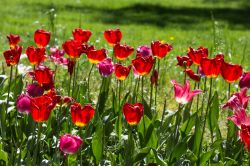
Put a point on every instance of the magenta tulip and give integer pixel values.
(245, 80)
(23, 103)
(183, 95)
(240, 117)
(34, 90)
(144, 50)
(69, 144)
(106, 67)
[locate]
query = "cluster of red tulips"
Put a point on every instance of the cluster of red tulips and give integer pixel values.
(40, 96)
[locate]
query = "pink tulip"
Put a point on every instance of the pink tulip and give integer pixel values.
(144, 50)
(237, 101)
(182, 93)
(245, 80)
(34, 90)
(69, 144)
(56, 56)
(106, 67)
(23, 103)
(240, 117)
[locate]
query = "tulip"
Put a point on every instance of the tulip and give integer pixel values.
(113, 36)
(72, 48)
(197, 55)
(143, 65)
(237, 101)
(23, 103)
(34, 90)
(71, 64)
(133, 113)
(81, 115)
(12, 56)
(96, 56)
(85, 48)
(244, 135)
(184, 61)
(56, 56)
(41, 107)
(192, 75)
(122, 72)
(122, 52)
(211, 67)
(159, 49)
(240, 117)
(81, 35)
(45, 77)
(231, 72)
(245, 80)
(41, 38)
(67, 100)
(154, 78)
(35, 55)
(144, 51)
(106, 67)
(70, 144)
(13, 40)
(183, 95)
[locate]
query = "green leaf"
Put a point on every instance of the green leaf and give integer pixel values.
(213, 113)
(97, 142)
(141, 154)
(159, 160)
(205, 157)
(178, 151)
(197, 136)
(147, 110)
(3, 157)
(188, 124)
(17, 86)
(151, 138)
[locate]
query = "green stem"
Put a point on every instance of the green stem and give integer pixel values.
(163, 113)
(37, 143)
(156, 86)
(144, 126)
(80, 151)
(206, 114)
(177, 122)
(89, 81)
(8, 96)
(70, 78)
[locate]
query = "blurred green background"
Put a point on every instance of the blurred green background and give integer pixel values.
(183, 23)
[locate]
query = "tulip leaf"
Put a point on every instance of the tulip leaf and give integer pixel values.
(17, 86)
(213, 114)
(97, 142)
(197, 137)
(188, 124)
(205, 157)
(159, 160)
(3, 157)
(147, 110)
(178, 151)
(141, 154)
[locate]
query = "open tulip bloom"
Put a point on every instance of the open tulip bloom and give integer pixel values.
(231, 72)
(197, 55)
(36, 55)
(81, 115)
(70, 144)
(133, 113)
(81, 35)
(72, 48)
(113, 36)
(13, 40)
(122, 72)
(211, 67)
(12, 56)
(160, 49)
(41, 38)
(122, 52)
(183, 95)
(45, 77)
(96, 56)
(143, 65)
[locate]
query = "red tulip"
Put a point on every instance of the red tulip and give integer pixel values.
(231, 72)
(159, 49)
(122, 72)
(35, 55)
(96, 56)
(71, 65)
(41, 107)
(245, 80)
(133, 112)
(85, 48)
(72, 48)
(154, 78)
(13, 40)
(70, 144)
(240, 117)
(211, 67)
(184, 61)
(113, 36)
(44, 76)
(81, 35)
(244, 135)
(81, 115)
(192, 75)
(122, 52)
(183, 95)
(197, 55)
(41, 38)
(143, 65)
(12, 56)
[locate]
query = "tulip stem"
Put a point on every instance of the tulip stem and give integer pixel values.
(156, 87)
(228, 123)
(206, 114)
(89, 81)
(144, 126)
(70, 78)
(80, 151)
(37, 143)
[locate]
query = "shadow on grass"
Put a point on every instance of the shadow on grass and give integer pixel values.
(161, 16)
